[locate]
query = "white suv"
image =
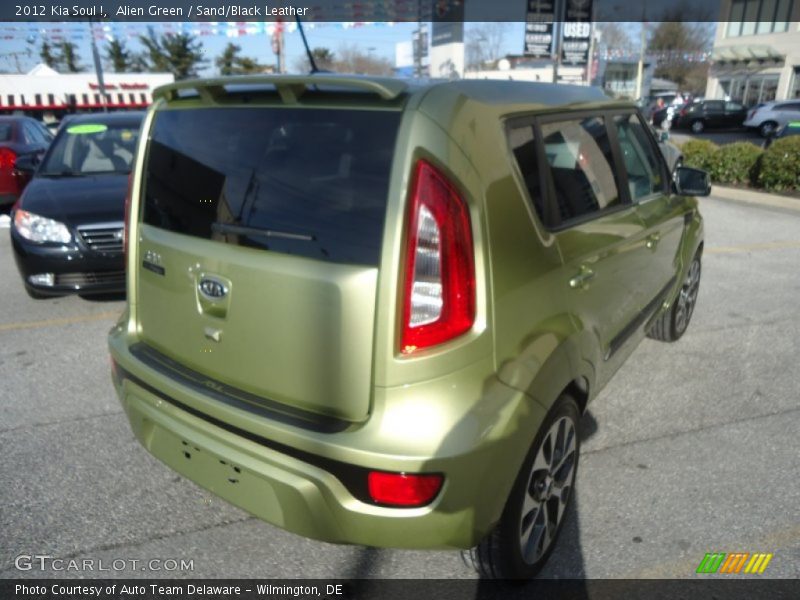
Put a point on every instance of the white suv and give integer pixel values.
(768, 117)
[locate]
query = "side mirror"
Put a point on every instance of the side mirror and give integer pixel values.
(26, 165)
(692, 182)
(664, 136)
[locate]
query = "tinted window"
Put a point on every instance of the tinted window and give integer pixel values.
(91, 148)
(642, 163)
(733, 106)
(32, 135)
(309, 182)
(715, 105)
(6, 132)
(523, 145)
(579, 155)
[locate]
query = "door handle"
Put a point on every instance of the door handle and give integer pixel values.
(652, 241)
(582, 279)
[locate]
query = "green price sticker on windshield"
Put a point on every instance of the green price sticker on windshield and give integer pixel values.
(87, 128)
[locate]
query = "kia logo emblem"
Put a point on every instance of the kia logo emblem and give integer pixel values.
(213, 289)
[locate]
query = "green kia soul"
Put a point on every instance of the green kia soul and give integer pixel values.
(372, 312)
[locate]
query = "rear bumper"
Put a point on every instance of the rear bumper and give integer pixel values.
(75, 269)
(205, 443)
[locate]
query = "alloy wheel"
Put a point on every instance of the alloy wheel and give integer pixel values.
(687, 297)
(547, 493)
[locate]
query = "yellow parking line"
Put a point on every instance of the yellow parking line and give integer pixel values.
(749, 247)
(111, 314)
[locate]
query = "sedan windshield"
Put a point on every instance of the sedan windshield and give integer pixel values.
(91, 149)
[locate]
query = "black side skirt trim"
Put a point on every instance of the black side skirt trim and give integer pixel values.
(639, 320)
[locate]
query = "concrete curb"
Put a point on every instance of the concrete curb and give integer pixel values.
(753, 197)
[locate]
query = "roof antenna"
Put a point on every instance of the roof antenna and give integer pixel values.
(314, 68)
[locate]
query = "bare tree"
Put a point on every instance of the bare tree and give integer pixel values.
(483, 44)
(323, 58)
(613, 36)
(676, 45)
(349, 59)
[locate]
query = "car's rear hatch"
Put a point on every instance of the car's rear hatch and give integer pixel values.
(259, 240)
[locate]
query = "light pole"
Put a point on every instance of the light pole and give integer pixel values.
(98, 67)
(640, 68)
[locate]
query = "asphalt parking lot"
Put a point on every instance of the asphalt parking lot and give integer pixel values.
(692, 448)
(720, 137)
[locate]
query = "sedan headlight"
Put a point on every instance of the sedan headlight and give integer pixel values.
(40, 229)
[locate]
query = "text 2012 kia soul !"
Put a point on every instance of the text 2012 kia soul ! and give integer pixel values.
(373, 313)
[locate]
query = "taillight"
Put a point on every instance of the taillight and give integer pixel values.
(403, 489)
(684, 111)
(7, 158)
(439, 275)
(126, 227)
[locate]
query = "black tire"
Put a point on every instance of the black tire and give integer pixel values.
(767, 128)
(697, 126)
(670, 326)
(500, 554)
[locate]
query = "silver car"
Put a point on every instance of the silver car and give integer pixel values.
(768, 117)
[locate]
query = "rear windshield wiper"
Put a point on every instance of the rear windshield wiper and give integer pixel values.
(253, 231)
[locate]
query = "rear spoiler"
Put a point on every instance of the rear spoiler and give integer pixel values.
(290, 87)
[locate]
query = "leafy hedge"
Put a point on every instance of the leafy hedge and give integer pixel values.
(776, 169)
(736, 163)
(780, 165)
(699, 154)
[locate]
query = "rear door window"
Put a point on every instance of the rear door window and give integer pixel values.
(307, 182)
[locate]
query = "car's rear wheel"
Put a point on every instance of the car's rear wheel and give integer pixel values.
(673, 323)
(767, 128)
(698, 126)
(520, 544)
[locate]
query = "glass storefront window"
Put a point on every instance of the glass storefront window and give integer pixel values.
(766, 16)
(782, 16)
(769, 89)
(794, 92)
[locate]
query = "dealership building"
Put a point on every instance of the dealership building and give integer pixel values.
(43, 90)
(756, 56)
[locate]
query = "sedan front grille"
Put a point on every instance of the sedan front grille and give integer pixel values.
(104, 237)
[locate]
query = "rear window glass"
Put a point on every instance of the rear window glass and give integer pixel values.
(5, 132)
(307, 182)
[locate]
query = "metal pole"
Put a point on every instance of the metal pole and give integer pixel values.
(98, 67)
(640, 69)
(558, 31)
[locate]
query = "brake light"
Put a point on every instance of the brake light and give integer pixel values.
(439, 274)
(126, 226)
(403, 489)
(7, 158)
(752, 113)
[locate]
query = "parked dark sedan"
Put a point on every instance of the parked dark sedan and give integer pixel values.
(711, 114)
(19, 137)
(67, 228)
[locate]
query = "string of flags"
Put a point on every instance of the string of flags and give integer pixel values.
(35, 33)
